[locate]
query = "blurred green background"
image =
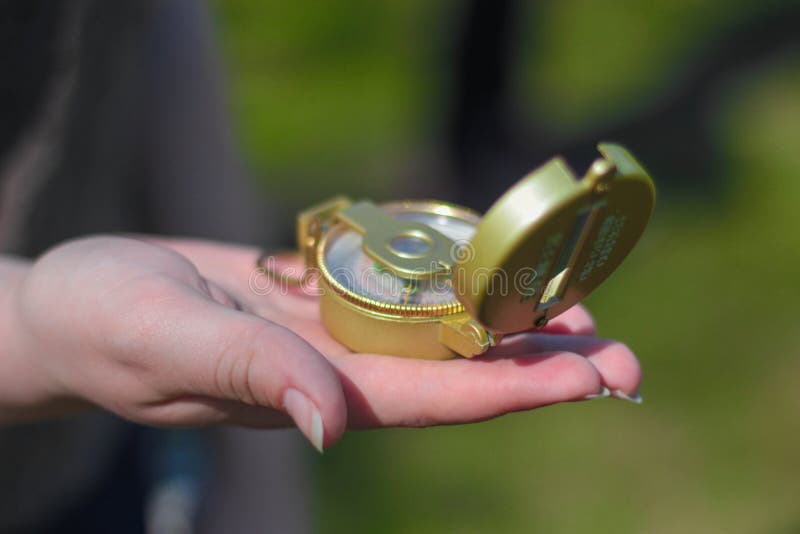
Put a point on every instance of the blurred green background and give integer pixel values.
(348, 97)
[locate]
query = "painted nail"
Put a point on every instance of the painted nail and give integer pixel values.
(604, 392)
(306, 416)
(635, 398)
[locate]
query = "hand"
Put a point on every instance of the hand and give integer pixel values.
(561, 363)
(169, 333)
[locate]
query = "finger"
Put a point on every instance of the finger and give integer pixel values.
(315, 334)
(618, 366)
(219, 295)
(202, 348)
(226, 263)
(235, 268)
(201, 411)
(387, 391)
(576, 321)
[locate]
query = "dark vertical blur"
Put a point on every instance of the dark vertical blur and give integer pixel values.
(481, 126)
(28, 46)
(491, 145)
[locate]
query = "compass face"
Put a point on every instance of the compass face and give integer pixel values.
(357, 273)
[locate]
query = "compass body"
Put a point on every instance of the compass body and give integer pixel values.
(428, 279)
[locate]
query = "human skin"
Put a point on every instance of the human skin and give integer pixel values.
(168, 333)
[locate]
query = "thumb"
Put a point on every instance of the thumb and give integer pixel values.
(230, 355)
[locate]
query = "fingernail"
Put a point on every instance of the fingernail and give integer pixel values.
(604, 392)
(635, 398)
(306, 416)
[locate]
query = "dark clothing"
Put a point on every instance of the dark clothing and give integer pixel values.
(114, 120)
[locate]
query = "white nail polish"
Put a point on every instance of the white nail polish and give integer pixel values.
(306, 416)
(636, 398)
(604, 392)
(317, 431)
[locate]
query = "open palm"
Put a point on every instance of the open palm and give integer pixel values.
(563, 362)
(168, 332)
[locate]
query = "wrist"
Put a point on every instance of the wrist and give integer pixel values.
(28, 392)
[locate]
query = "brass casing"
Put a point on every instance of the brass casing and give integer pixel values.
(571, 233)
(533, 227)
(433, 332)
(371, 332)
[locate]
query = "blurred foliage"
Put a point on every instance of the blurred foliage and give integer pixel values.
(331, 94)
(586, 70)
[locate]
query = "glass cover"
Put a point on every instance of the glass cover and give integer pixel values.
(358, 273)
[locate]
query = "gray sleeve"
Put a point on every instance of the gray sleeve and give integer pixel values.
(196, 182)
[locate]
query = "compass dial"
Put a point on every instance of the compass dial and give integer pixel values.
(358, 274)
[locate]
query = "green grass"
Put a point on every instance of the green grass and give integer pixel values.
(324, 97)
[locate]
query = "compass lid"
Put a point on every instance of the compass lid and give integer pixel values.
(551, 239)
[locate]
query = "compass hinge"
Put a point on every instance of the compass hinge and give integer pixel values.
(313, 223)
(465, 336)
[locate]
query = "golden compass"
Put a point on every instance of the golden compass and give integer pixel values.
(427, 279)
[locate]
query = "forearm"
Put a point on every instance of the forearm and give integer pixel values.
(26, 391)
